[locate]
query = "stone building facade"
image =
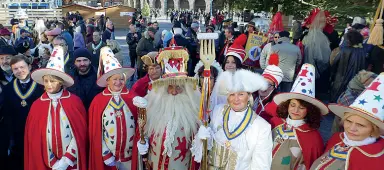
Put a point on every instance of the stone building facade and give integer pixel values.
(164, 5)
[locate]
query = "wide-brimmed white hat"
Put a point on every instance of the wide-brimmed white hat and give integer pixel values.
(109, 66)
(368, 105)
(55, 67)
(303, 89)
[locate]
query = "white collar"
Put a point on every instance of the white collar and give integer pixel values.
(238, 113)
(55, 96)
(295, 123)
(366, 141)
(25, 82)
(115, 93)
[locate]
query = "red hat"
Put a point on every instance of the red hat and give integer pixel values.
(237, 48)
(53, 32)
(4, 32)
(330, 21)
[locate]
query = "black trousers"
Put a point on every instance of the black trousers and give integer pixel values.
(132, 57)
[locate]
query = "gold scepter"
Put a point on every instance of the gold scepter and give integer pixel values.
(141, 105)
(207, 56)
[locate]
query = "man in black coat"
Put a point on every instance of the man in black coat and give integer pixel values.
(84, 76)
(132, 39)
(145, 46)
(20, 94)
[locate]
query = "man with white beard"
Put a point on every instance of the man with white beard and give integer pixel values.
(6, 53)
(172, 114)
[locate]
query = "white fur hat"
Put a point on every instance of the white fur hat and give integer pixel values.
(241, 80)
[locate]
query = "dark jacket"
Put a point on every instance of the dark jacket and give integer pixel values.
(107, 35)
(15, 115)
(346, 65)
(85, 86)
(3, 80)
(145, 46)
(376, 59)
(132, 41)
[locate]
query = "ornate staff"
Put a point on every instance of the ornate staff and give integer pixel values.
(141, 105)
(207, 56)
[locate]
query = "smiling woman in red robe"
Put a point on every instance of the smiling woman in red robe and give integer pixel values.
(359, 146)
(55, 132)
(112, 124)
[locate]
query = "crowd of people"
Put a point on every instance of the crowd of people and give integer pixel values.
(65, 103)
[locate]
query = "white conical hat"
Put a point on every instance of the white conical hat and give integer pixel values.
(110, 66)
(303, 89)
(370, 104)
(54, 67)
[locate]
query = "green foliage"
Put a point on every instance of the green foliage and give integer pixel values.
(145, 11)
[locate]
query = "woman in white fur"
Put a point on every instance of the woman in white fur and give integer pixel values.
(238, 139)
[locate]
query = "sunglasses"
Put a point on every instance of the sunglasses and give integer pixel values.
(277, 37)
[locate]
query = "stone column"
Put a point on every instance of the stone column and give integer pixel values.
(152, 3)
(208, 6)
(191, 4)
(176, 4)
(163, 7)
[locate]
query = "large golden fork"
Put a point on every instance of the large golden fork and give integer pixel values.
(207, 52)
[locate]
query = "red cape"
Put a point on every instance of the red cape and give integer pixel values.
(35, 145)
(96, 110)
(364, 157)
(309, 140)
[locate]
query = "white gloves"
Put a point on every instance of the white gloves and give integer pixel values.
(110, 161)
(143, 148)
(197, 144)
(204, 132)
(140, 102)
(61, 165)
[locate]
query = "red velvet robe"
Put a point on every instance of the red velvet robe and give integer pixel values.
(96, 110)
(309, 139)
(35, 143)
(140, 88)
(364, 157)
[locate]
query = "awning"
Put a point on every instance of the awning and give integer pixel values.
(14, 4)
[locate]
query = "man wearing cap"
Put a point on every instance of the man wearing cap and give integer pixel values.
(172, 117)
(85, 76)
(6, 53)
(251, 28)
(144, 85)
(191, 36)
(145, 46)
(289, 59)
(51, 34)
(24, 38)
(20, 94)
(5, 35)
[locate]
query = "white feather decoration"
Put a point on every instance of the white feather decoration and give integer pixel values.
(207, 36)
(140, 102)
(241, 80)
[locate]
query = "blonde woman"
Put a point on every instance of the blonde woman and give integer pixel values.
(55, 136)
